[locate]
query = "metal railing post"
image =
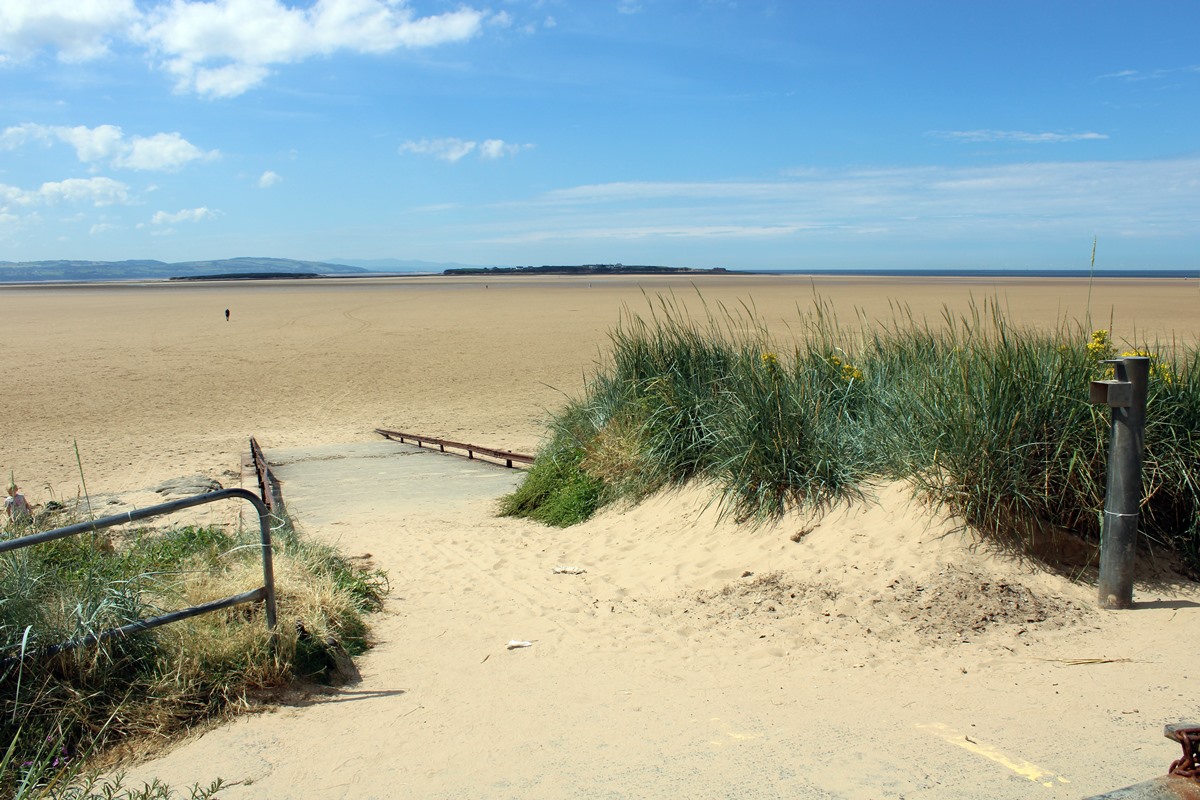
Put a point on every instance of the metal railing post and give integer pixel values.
(1123, 493)
(268, 560)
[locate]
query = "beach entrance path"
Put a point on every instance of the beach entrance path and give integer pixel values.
(634, 683)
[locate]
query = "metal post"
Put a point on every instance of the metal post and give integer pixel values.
(1123, 494)
(268, 563)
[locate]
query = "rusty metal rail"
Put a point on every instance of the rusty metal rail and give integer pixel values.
(420, 441)
(265, 593)
(268, 486)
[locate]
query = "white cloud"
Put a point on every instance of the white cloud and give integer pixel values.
(1158, 198)
(19, 135)
(1134, 75)
(498, 148)
(453, 149)
(226, 47)
(533, 26)
(97, 191)
(1024, 137)
(78, 29)
(162, 151)
(268, 179)
(102, 227)
(185, 215)
(446, 149)
(91, 144)
(223, 48)
(677, 231)
(628, 7)
(13, 196)
(230, 80)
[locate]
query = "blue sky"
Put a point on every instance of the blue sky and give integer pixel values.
(768, 135)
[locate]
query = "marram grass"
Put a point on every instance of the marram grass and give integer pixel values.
(57, 713)
(990, 420)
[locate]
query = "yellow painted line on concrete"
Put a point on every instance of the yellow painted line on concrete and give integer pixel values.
(1020, 766)
(735, 735)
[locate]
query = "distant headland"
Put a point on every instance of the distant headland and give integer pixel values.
(584, 269)
(244, 268)
(248, 276)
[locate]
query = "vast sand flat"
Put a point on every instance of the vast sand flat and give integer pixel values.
(873, 652)
(151, 382)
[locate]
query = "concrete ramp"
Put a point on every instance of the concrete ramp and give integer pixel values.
(326, 485)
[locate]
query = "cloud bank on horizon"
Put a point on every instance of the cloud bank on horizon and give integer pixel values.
(747, 135)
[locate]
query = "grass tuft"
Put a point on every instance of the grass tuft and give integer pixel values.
(990, 420)
(59, 711)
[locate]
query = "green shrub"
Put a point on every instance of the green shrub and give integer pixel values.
(556, 491)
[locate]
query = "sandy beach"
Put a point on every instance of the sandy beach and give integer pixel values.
(873, 652)
(151, 381)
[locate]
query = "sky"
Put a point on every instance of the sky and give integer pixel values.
(806, 134)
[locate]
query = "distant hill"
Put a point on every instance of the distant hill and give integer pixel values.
(39, 271)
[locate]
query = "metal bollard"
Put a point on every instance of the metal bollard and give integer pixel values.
(1126, 396)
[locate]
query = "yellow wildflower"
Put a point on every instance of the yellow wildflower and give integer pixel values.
(848, 370)
(1158, 368)
(1100, 347)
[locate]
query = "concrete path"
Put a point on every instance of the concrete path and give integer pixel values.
(445, 711)
(326, 485)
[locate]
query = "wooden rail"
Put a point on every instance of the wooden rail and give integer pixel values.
(420, 441)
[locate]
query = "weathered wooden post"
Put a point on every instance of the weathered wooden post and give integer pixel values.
(1126, 396)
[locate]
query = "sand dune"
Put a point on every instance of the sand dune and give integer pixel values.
(872, 652)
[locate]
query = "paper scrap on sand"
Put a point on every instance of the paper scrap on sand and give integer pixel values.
(514, 644)
(569, 570)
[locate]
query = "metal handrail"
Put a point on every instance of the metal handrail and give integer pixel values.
(266, 592)
(504, 455)
(268, 486)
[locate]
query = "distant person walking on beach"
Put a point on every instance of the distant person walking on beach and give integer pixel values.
(16, 505)
(227, 315)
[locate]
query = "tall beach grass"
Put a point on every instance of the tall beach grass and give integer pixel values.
(58, 712)
(986, 418)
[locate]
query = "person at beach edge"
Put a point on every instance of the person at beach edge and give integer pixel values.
(17, 506)
(227, 315)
